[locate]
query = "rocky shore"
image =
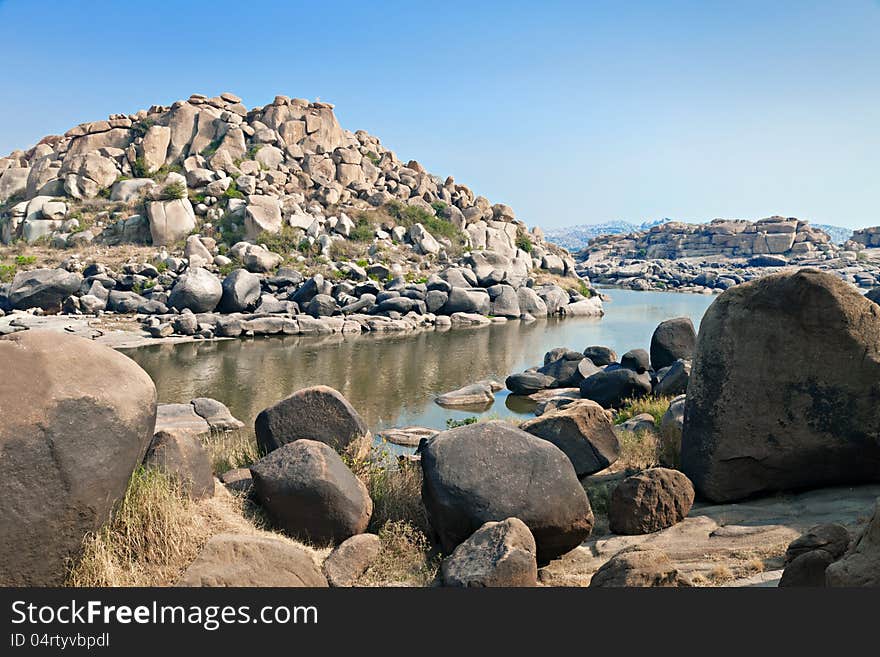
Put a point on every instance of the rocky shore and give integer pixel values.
(709, 258)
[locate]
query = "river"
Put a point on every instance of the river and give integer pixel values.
(392, 379)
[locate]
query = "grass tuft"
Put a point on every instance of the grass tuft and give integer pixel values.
(656, 406)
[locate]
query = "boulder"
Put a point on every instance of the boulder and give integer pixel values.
(198, 289)
(670, 433)
(309, 492)
(43, 288)
(639, 567)
(77, 420)
(465, 300)
(583, 432)
(481, 393)
(181, 456)
(565, 371)
(860, 566)
(808, 556)
(784, 388)
(672, 339)
(807, 569)
(262, 214)
(317, 413)
(528, 383)
(611, 388)
(493, 471)
(874, 295)
(652, 500)
(601, 356)
(254, 561)
(351, 559)
(675, 380)
(240, 291)
(636, 360)
(530, 302)
(216, 414)
(170, 221)
(497, 554)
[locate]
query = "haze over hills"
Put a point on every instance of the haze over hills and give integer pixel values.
(575, 238)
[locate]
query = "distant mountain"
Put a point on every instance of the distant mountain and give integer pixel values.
(575, 238)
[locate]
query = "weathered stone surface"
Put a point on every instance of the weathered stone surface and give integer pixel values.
(807, 569)
(650, 501)
(181, 455)
(784, 390)
(310, 493)
(611, 388)
(241, 291)
(317, 413)
(481, 393)
(497, 554)
(831, 537)
(601, 356)
(235, 560)
(672, 339)
(351, 559)
(670, 433)
(492, 471)
(216, 414)
(639, 567)
(583, 432)
(77, 419)
(170, 221)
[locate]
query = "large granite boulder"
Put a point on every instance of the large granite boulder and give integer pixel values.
(77, 419)
(672, 339)
(497, 554)
(316, 413)
(170, 221)
(583, 432)
(257, 561)
(198, 289)
(351, 559)
(784, 389)
(43, 288)
(493, 471)
(310, 493)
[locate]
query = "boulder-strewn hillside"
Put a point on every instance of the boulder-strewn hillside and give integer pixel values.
(215, 189)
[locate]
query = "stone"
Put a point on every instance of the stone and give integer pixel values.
(181, 418)
(238, 480)
(154, 147)
(565, 372)
(498, 554)
(530, 302)
(527, 383)
(253, 561)
(636, 360)
(807, 569)
(181, 456)
(830, 537)
(351, 559)
(652, 500)
(601, 356)
(612, 388)
(77, 420)
(198, 289)
(783, 393)
(216, 414)
(670, 433)
(639, 567)
(258, 259)
(170, 221)
(316, 413)
(309, 492)
(196, 253)
(583, 432)
(476, 394)
(673, 339)
(43, 288)
(860, 566)
(675, 381)
(263, 213)
(240, 291)
(491, 471)
(466, 300)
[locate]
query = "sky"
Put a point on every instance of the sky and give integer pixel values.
(570, 112)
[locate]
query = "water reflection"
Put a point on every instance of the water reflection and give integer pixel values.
(392, 379)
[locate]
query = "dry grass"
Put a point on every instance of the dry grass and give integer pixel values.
(720, 575)
(638, 450)
(655, 406)
(231, 449)
(153, 535)
(405, 558)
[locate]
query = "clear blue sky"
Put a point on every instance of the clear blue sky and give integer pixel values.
(571, 112)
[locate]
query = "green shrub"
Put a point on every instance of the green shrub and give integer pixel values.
(24, 261)
(140, 128)
(364, 230)
(211, 148)
(7, 273)
(233, 191)
(231, 231)
(409, 215)
(523, 241)
(439, 206)
(173, 191)
(285, 241)
(453, 424)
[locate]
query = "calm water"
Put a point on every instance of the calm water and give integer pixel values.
(392, 379)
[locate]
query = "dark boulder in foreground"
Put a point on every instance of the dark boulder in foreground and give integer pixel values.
(808, 556)
(76, 420)
(874, 295)
(311, 494)
(785, 389)
(316, 413)
(497, 554)
(583, 432)
(494, 471)
(672, 339)
(649, 501)
(240, 560)
(611, 388)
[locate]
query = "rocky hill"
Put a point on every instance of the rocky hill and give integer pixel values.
(213, 187)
